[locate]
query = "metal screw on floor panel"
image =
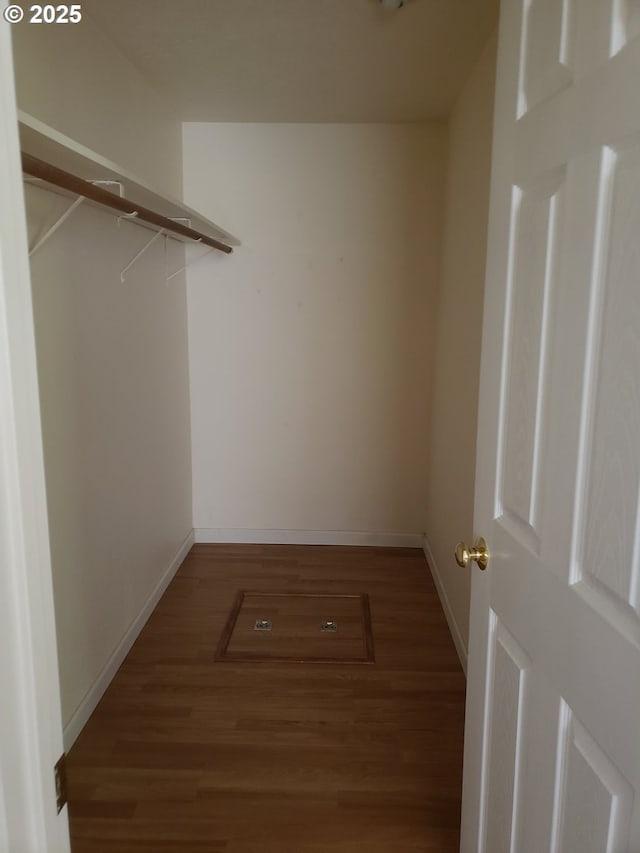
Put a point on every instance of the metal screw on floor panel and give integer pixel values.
(329, 625)
(262, 625)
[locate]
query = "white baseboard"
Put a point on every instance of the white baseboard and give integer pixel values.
(446, 605)
(97, 689)
(249, 536)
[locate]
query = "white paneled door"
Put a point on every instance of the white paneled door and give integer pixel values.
(552, 752)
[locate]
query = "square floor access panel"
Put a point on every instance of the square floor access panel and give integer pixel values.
(303, 627)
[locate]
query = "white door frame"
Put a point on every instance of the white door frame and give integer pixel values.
(30, 719)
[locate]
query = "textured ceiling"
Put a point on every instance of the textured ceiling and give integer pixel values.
(301, 60)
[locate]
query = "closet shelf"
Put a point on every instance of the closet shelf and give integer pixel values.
(73, 170)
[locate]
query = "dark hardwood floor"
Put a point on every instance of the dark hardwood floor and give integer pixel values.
(187, 754)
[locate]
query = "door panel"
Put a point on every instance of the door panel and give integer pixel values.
(548, 60)
(529, 295)
(506, 712)
(594, 803)
(608, 543)
(552, 752)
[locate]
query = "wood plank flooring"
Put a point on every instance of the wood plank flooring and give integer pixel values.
(187, 754)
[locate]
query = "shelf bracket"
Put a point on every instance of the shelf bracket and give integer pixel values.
(127, 217)
(118, 184)
(190, 264)
(140, 253)
(59, 221)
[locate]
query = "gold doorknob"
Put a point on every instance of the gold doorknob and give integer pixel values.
(479, 554)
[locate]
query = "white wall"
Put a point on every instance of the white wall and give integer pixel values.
(74, 79)
(113, 374)
(449, 516)
(311, 347)
(113, 365)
